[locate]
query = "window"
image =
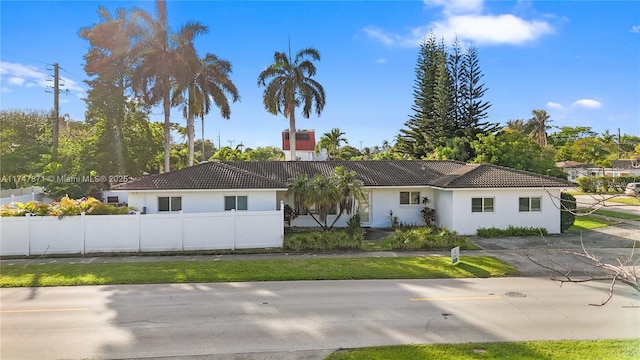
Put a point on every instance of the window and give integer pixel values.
(409, 197)
(169, 203)
(529, 204)
(481, 204)
(235, 203)
(112, 199)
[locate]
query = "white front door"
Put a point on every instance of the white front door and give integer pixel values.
(364, 209)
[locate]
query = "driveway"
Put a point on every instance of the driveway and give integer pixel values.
(608, 244)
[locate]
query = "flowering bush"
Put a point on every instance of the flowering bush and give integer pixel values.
(64, 207)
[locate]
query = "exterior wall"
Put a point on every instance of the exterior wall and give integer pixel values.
(34, 235)
(443, 203)
(506, 211)
(204, 201)
(382, 200)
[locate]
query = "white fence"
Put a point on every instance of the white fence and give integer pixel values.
(34, 235)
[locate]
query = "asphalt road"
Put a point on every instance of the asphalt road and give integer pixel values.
(301, 320)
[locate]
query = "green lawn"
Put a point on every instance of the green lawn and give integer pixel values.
(616, 215)
(252, 270)
(627, 200)
(588, 222)
(561, 350)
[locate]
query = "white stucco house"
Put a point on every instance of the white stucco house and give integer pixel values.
(465, 196)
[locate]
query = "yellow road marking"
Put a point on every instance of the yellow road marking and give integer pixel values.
(490, 297)
(41, 310)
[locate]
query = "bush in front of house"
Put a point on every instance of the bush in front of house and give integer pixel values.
(568, 211)
(64, 207)
(427, 238)
(494, 232)
(597, 184)
(324, 240)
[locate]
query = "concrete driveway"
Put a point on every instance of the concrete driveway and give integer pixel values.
(608, 244)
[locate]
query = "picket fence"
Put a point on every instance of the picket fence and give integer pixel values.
(35, 235)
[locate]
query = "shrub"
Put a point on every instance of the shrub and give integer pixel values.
(323, 240)
(511, 231)
(568, 211)
(64, 207)
(426, 238)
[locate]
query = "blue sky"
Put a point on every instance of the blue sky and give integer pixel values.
(579, 60)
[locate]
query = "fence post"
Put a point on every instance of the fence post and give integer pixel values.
(28, 217)
(139, 234)
(235, 228)
(281, 223)
(181, 231)
(83, 223)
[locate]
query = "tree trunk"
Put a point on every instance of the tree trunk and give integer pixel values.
(167, 132)
(204, 158)
(292, 135)
(190, 136)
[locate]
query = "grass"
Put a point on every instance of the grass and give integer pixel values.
(627, 200)
(616, 215)
(252, 270)
(589, 222)
(565, 349)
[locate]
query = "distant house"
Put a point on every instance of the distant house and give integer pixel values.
(465, 196)
(575, 170)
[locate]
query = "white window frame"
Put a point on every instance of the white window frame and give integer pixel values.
(484, 208)
(170, 199)
(530, 207)
(413, 197)
(235, 205)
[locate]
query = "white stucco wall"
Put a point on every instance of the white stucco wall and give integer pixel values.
(200, 201)
(506, 212)
(443, 204)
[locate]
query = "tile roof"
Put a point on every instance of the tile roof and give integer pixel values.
(478, 176)
(393, 173)
(209, 175)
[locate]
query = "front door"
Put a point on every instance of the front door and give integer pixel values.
(364, 209)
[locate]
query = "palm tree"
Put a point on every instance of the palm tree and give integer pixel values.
(290, 85)
(331, 141)
(210, 82)
(162, 56)
(539, 124)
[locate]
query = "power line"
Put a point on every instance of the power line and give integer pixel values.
(24, 57)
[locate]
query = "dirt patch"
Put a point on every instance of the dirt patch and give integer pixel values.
(373, 234)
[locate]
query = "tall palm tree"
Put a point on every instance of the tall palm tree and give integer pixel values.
(289, 84)
(540, 125)
(209, 82)
(161, 57)
(332, 140)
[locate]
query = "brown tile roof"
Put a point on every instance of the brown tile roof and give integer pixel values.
(276, 175)
(477, 176)
(210, 175)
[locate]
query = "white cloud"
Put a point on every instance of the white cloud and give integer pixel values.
(380, 35)
(635, 29)
(26, 72)
(16, 81)
(457, 6)
(381, 61)
(465, 19)
(588, 103)
(554, 106)
(5, 89)
(489, 29)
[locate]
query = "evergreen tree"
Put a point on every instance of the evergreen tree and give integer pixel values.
(474, 110)
(447, 101)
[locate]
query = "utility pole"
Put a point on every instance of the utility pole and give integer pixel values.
(619, 148)
(56, 111)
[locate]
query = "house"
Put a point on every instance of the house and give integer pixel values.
(465, 196)
(575, 170)
(305, 146)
